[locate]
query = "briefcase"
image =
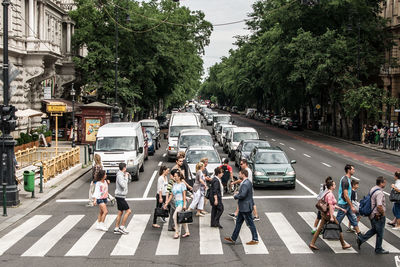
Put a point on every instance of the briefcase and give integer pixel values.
(332, 231)
(160, 212)
(185, 217)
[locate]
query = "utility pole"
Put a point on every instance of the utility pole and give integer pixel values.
(115, 115)
(8, 124)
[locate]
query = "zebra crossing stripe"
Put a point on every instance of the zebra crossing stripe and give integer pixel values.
(372, 241)
(245, 236)
(167, 245)
(89, 239)
(389, 228)
(128, 244)
(210, 240)
(309, 218)
(288, 234)
(44, 244)
(19, 232)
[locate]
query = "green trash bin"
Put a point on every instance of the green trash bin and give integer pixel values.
(29, 181)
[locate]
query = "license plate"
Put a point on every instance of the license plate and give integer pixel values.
(275, 179)
(111, 171)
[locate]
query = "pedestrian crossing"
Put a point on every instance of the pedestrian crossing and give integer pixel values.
(292, 237)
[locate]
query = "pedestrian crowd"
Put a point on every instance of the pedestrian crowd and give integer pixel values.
(372, 206)
(387, 137)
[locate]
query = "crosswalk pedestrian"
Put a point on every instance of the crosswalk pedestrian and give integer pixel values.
(209, 239)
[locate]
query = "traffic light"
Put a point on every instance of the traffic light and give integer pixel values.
(8, 120)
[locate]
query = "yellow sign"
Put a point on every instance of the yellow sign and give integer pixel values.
(318, 106)
(56, 107)
(92, 127)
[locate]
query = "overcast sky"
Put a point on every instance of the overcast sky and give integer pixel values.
(221, 11)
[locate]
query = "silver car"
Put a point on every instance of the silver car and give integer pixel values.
(221, 134)
(195, 153)
(194, 137)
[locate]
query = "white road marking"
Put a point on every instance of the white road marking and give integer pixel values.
(282, 144)
(288, 234)
(167, 245)
(372, 240)
(306, 188)
(210, 240)
(309, 218)
(386, 193)
(46, 242)
(292, 148)
(245, 236)
(389, 228)
(326, 164)
(89, 240)
(164, 155)
(128, 244)
(308, 156)
(273, 139)
(355, 178)
(160, 163)
(146, 192)
(16, 234)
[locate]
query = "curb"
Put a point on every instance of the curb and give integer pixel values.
(38, 202)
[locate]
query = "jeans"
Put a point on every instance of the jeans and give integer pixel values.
(396, 210)
(248, 217)
(378, 227)
(350, 215)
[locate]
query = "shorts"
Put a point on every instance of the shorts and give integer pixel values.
(101, 200)
(122, 204)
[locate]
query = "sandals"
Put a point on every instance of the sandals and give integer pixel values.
(176, 236)
(156, 226)
(313, 247)
(186, 235)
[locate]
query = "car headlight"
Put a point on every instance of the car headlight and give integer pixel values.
(291, 173)
(258, 173)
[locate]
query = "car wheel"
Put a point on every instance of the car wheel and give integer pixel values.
(292, 186)
(136, 176)
(142, 168)
(156, 144)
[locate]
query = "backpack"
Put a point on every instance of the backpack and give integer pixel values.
(226, 176)
(365, 208)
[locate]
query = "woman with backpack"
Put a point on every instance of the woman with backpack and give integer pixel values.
(329, 216)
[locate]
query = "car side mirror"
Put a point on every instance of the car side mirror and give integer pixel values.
(140, 150)
(292, 162)
(165, 135)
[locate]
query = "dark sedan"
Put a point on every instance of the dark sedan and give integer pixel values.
(246, 147)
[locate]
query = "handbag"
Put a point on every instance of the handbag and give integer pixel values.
(321, 205)
(394, 196)
(331, 231)
(185, 217)
(160, 212)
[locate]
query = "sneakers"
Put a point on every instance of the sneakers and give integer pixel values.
(101, 226)
(313, 230)
(163, 220)
(123, 230)
(256, 219)
(117, 232)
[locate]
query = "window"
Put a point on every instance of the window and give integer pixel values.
(237, 137)
(194, 156)
(120, 143)
(271, 158)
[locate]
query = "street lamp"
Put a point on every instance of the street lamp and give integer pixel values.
(73, 115)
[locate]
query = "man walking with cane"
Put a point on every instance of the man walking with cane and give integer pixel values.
(245, 203)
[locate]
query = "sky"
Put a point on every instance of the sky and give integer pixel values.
(222, 38)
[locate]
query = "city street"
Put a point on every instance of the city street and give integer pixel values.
(61, 232)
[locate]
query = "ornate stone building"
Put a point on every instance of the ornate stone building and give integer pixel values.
(40, 34)
(391, 75)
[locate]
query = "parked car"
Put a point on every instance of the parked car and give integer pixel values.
(267, 118)
(236, 135)
(195, 153)
(246, 147)
(275, 120)
(249, 112)
(283, 122)
(293, 125)
(154, 128)
(234, 109)
(271, 168)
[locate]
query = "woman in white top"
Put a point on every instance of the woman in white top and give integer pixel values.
(161, 192)
(199, 189)
(396, 205)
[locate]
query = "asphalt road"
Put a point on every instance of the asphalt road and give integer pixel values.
(59, 234)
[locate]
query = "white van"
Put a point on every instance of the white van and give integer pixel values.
(236, 135)
(121, 142)
(179, 121)
(194, 137)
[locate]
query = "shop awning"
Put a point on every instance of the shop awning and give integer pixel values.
(67, 102)
(26, 113)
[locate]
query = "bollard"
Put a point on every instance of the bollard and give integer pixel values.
(4, 200)
(33, 192)
(41, 179)
(85, 155)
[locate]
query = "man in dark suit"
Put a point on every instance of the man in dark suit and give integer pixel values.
(246, 203)
(216, 198)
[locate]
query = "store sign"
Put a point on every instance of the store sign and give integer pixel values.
(92, 127)
(56, 107)
(47, 92)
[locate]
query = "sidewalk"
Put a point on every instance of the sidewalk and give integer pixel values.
(358, 143)
(50, 189)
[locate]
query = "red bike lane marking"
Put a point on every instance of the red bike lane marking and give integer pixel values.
(375, 163)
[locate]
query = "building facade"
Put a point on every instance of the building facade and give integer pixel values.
(40, 33)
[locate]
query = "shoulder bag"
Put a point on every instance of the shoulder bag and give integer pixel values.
(394, 196)
(185, 217)
(331, 231)
(321, 205)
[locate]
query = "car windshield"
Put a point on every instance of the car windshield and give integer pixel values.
(224, 119)
(251, 145)
(175, 130)
(118, 143)
(225, 129)
(195, 140)
(150, 129)
(194, 156)
(271, 158)
(237, 137)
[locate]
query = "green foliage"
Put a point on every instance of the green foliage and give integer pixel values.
(298, 54)
(156, 60)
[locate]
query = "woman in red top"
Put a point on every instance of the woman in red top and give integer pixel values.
(329, 216)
